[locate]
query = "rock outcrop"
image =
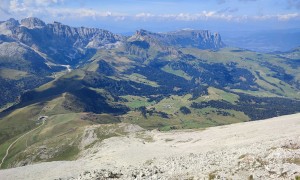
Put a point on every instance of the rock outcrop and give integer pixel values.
(145, 43)
(38, 49)
(202, 39)
(32, 23)
(61, 43)
(251, 150)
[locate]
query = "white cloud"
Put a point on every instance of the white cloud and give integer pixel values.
(286, 17)
(38, 3)
(280, 17)
(27, 7)
(204, 15)
(83, 13)
(16, 6)
(144, 15)
(47, 9)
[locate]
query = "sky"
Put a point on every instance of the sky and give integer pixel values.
(160, 15)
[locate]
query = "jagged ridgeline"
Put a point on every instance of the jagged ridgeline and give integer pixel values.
(79, 77)
(31, 51)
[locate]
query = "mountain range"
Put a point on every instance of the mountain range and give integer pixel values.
(35, 49)
(81, 77)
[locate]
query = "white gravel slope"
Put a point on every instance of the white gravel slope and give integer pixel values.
(268, 149)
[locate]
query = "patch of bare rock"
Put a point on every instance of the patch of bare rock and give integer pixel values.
(268, 149)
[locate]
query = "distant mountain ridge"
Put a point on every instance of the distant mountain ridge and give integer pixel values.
(202, 39)
(148, 44)
(37, 49)
(62, 43)
(67, 45)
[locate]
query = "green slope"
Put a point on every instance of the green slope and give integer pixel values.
(191, 88)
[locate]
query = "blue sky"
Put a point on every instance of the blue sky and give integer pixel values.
(160, 15)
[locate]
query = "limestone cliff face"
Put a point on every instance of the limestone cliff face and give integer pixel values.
(67, 45)
(202, 39)
(143, 43)
(32, 23)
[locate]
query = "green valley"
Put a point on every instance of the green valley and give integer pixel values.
(164, 81)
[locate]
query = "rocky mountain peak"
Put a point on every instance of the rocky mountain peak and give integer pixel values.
(12, 22)
(6, 27)
(9, 24)
(56, 22)
(62, 43)
(32, 22)
(142, 32)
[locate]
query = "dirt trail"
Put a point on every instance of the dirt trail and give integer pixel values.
(13, 143)
(267, 149)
